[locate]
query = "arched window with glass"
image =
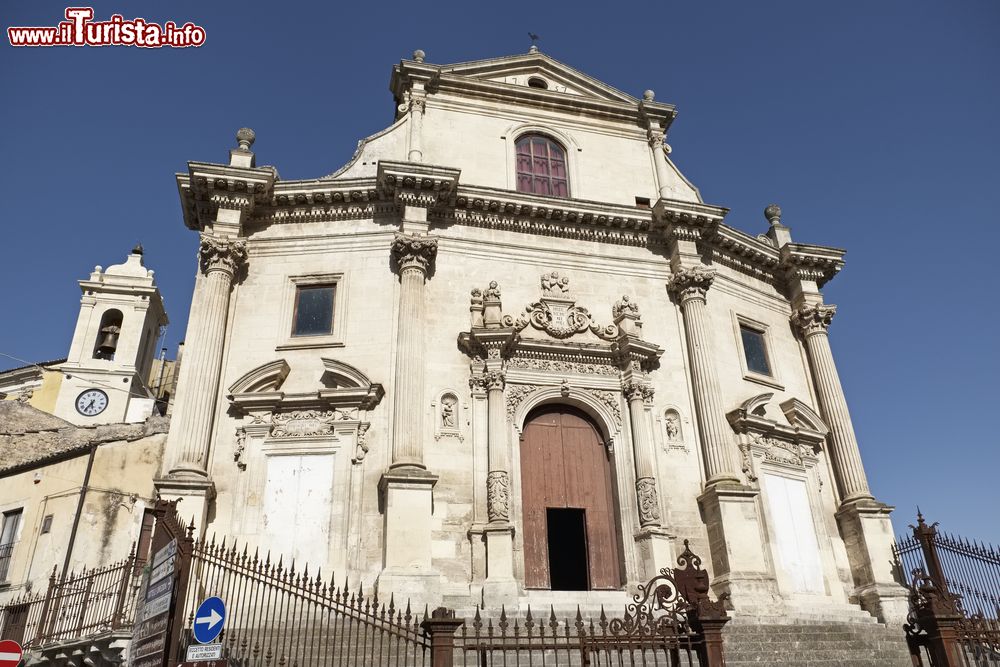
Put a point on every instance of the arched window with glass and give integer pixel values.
(541, 166)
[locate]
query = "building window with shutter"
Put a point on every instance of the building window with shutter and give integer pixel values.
(541, 166)
(8, 538)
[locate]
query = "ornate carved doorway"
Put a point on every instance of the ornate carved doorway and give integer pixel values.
(564, 465)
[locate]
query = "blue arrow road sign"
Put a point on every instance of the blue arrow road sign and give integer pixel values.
(208, 620)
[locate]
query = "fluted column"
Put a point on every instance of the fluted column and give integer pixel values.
(198, 387)
(416, 103)
(414, 256)
(647, 500)
(498, 479)
(655, 137)
(690, 285)
(812, 322)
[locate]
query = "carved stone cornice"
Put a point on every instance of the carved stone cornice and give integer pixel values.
(691, 283)
(811, 262)
(414, 252)
(811, 320)
(208, 187)
(416, 184)
(221, 254)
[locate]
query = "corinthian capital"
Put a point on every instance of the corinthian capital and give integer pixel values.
(691, 283)
(813, 319)
(414, 252)
(494, 380)
(638, 390)
(655, 137)
(221, 254)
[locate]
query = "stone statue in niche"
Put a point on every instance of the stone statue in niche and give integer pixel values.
(673, 430)
(673, 427)
(448, 419)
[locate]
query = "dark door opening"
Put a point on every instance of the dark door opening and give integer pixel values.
(567, 533)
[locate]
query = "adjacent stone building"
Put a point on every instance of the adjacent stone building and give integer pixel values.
(79, 441)
(510, 333)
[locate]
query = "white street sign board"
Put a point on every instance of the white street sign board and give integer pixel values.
(166, 552)
(160, 605)
(164, 569)
(200, 652)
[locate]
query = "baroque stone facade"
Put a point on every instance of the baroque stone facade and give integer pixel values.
(481, 241)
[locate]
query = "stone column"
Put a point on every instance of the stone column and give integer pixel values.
(416, 104)
(812, 322)
(500, 586)
(655, 137)
(730, 510)
(690, 286)
(414, 256)
(198, 387)
(864, 523)
(647, 500)
(498, 479)
(407, 487)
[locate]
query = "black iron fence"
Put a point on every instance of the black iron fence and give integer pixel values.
(279, 616)
(282, 616)
(954, 585)
(670, 621)
(78, 604)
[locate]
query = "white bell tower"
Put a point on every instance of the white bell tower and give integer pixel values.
(121, 314)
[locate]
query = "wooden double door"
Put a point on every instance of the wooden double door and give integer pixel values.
(571, 536)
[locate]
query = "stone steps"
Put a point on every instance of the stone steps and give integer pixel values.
(790, 644)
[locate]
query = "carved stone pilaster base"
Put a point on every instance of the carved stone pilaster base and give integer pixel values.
(736, 540)
(195, 496)
(868, 536)
(407, 500)
(500, 587)
(654, 548)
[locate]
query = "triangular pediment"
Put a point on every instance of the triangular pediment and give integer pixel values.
(520, 69)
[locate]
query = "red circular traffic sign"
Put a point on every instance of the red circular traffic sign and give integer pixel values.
(10, 653)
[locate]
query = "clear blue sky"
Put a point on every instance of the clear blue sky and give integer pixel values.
(873, 125)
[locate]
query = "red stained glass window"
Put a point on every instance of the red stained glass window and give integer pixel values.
(541, 166)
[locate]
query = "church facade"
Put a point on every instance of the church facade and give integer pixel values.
(508, 355)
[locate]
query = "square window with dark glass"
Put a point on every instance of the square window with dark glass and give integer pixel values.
(755, 351)
(313, 311)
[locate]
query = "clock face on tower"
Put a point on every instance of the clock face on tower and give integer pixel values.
(91, 402)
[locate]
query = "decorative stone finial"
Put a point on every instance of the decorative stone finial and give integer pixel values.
(649, 95)
(245, 136)
(533, 49)
(137, 250)
(773, 214)
(419, 55)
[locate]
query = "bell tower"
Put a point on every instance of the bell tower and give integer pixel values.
(121, 314)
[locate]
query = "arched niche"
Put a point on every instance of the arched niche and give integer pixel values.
(448, 414)
(107, 334)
